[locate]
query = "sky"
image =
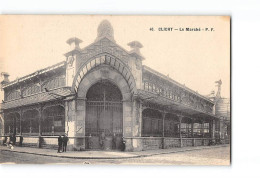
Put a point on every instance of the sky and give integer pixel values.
(197, 59)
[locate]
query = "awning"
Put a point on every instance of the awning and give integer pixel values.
(56, 94)
(150, 97)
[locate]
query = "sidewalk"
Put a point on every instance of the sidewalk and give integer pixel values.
(103, 154)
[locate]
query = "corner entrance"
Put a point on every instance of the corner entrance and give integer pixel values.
(104, 117)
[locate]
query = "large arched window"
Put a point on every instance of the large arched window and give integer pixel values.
(10, 123)
(152, 123)
(171, 125)
(30, 122)
(53, 120)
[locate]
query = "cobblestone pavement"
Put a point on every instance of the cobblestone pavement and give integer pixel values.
(209, 156)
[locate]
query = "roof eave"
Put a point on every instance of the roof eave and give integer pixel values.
(175, 82)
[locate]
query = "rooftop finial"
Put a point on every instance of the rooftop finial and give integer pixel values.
(135, 45)
(74, 43)
(105, 29)
(219, 83)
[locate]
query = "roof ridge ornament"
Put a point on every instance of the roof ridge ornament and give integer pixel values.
(105, 30)
(74, 43)
(135, 45)
(219, 83)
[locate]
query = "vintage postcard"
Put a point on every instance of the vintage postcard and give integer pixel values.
(126, 90)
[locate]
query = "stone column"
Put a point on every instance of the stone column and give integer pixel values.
(40, 127)
(140, 118)
(173, 128)
(221, 130)
(163, 129)
(128, 125)
(21, 118)
(14, 123)
(192, 126)
(136, 118)
(163, 120)
(71, 124)
(180, 119)
(202, 131)
(192, 135)
(212, 130)
(66, 118)
(127, 119)
(79, 131)
(40, 120)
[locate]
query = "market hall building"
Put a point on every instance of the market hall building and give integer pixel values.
(103, 98)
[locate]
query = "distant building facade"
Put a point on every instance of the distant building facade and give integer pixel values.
(103, 97)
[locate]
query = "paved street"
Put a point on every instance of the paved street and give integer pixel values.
(212, 156)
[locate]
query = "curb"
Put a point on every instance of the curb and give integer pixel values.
(137, 156)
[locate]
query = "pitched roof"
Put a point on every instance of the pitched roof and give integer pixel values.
(38, 98)
(38, 72)
(175, 82)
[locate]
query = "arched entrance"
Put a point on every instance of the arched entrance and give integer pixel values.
(104, 116)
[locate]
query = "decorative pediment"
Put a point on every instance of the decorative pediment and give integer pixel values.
(105, 46)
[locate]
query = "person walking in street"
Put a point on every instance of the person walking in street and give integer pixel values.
(65, 140)
(59, 143)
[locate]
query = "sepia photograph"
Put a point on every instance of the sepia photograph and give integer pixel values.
(115, 90)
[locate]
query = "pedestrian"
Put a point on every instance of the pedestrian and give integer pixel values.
(21, 141)
(8, 139)
(14, 139)
(102, 140)
(64, 143)
(123, 144)
(10, 144)
(114, 141)
(59, 143)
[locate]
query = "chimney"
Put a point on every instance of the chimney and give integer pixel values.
(4, 77)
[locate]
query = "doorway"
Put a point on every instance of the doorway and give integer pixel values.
(104, 117)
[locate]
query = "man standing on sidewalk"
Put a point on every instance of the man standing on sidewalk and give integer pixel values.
(60, 144)
(64, 143)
